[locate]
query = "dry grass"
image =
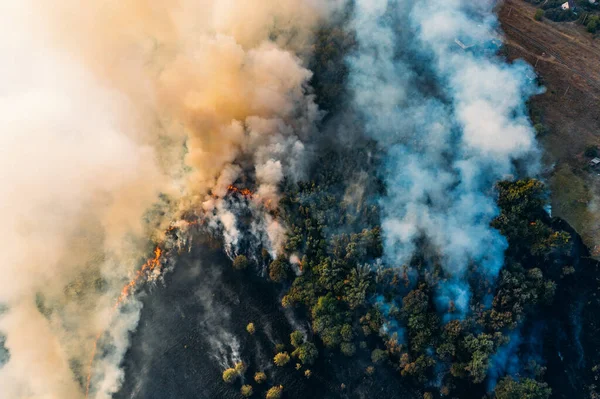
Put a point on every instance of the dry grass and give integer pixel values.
(567, 59)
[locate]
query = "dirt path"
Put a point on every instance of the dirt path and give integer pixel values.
(564, 42)
(567, 60)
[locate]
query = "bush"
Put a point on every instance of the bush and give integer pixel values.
(230, 375)
(281, 359)
(240, 262)
(539, 14)
(307, 353)
(540, 129)
(591, 151)
(559, 15)
(275, 392)
(240, 368)
(508, 388)
(378, 355)
(347, 348)
(296, 338)
(260, 377)
(279, 270)
(250, 328)
(592, 24)
(246, 391)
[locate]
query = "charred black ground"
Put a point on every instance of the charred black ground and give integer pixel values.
(532, 332)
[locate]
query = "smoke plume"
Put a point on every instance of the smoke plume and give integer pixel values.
(105, 106)
(451, 116)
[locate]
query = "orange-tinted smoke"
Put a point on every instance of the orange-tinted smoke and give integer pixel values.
(148, 267)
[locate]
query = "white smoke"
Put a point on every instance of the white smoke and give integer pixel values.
(105, 106)
(453, 122)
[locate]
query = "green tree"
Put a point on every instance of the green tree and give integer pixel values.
(539, 14)
(279, 269)
(481, 348)
(307, 353)
(540, 129)
(240, 367)
(346, 332)
(275, 392)
(246, 391)
(525, 388)
(240, 262)
(296, 338)
(260, 377)
(348, 348)
(281, 359)
(328, 320)
(592, 25)
(230, 375)
(378, 355)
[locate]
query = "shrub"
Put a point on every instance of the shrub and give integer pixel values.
(508, 388)
(558, 15)
(591, 151)
(240, 262)
(230, 375)
(281, 359)
(240, 368)
(278, 269)
(592, 24)
(540, 129)
(260, 377)
(246, 391)
(378, 355)
(347, 348)
(307, 353)
(296, 338)
(275, 392)
(539, 14)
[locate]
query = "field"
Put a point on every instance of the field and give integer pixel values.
(567, 60)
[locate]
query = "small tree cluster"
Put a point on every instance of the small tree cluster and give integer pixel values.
(281, 359)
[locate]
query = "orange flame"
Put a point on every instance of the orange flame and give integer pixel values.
(243, 191)
(148, 267)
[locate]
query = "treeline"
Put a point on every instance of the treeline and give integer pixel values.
(388, 314)
(388, 311)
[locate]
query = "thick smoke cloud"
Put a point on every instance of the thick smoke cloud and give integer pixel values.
(453, 121)
(105, 106)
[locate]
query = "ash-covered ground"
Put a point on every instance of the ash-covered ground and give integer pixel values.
(194, 326)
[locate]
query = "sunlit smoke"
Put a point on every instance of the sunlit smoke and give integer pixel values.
(119, 117)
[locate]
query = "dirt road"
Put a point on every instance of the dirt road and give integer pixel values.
(567, 59)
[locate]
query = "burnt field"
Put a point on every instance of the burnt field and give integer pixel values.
(194, 326)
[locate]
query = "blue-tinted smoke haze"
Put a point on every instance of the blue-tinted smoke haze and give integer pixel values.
(451, 116)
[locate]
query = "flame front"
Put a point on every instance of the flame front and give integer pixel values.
(242, 191)
(148, 267)
(151, 265)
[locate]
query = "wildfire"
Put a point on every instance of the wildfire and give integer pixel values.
(150, 266)
(243, 191)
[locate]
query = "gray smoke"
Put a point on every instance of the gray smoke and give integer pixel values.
(451, 116)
